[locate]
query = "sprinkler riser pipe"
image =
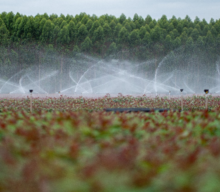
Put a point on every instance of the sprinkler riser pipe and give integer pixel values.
(31, 103)
(206, 102)
(181, 102)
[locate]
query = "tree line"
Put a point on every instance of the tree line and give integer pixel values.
(107, 34)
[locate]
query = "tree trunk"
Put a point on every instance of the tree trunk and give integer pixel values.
(155, 63)
(199, 63)
(39, 72)
(61, 71)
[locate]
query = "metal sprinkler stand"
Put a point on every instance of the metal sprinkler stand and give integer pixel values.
(181, 90)
(206, 98)
(31, 91)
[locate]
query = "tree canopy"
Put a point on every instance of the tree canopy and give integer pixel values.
(90, 33)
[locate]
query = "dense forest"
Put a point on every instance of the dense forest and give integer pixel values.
(35, 40)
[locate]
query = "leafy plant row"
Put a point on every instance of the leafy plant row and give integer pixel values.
(80, 151)
(67, 104)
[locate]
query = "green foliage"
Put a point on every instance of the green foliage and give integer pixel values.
(112, 26)
(3, 33)
(177, 42)
(142, 32)
(89, 24)
(112, 48)
(218, 42)
(147, 39)
(95, 26)
(200, 42)
(75, 149)
(85, 19)
(134, 38)
(189, 43)
(123, 35)
(29, 28)
(9, 21)
(168, 42)
(98, 34)
(86, 45)
(165, 34)
(184, 37)
(82, 32)
(76, 49)
(209, 38)
(122, 18)
(156, 34)
(72, 30)
(107, 30)
(56, 32)
(47, 32)
(117, 29)
(63, 36)
(148, 19)
(195, 34)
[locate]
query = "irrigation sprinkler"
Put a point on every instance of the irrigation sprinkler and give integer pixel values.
(31, 91)
(169, 94)
(181, 90)
(206, 98)
(59, 93)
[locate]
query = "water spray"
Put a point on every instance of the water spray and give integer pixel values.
(106, 76)
(206, 98)
(181, 90)
(31, 91)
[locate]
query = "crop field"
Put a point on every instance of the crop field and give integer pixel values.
(69, 104)
(73, 145)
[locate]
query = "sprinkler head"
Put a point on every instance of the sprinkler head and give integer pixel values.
(181, 90)
(31, 90)
(206, 91)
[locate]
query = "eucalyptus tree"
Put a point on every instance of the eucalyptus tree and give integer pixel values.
(86, 45)
(122, 18)
(95, 26)
(142, 32)
(82, 33)
(89, 24)
(134, 38)
(98, 34)
(123, 36)
(112, 49)
(72, 30)
(107, 31)
(47, 32)
(4, 33)
(29, 28)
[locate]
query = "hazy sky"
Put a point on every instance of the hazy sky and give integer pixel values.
(156, 8)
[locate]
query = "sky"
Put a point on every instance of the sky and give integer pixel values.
(204, 9)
